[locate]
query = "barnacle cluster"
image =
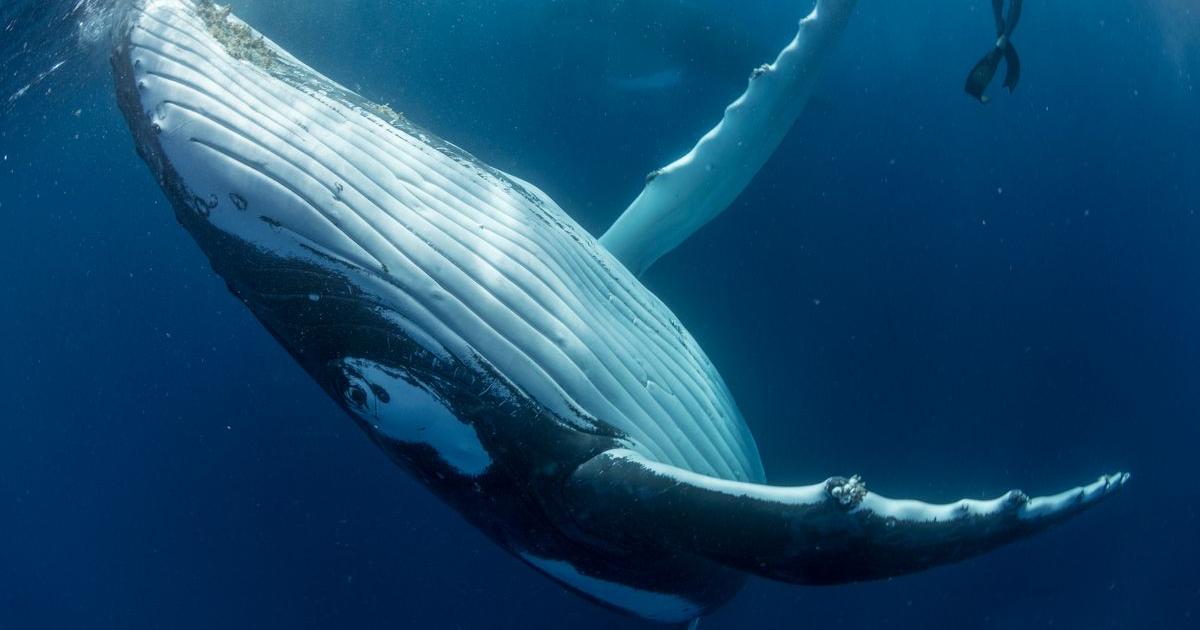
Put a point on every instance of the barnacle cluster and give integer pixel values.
(848, 492)
(238, 39)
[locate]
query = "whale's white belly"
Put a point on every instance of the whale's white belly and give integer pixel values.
(472, 263)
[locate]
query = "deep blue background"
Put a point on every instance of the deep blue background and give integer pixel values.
(946, 298)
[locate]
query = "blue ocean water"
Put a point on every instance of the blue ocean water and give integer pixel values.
(947, 298)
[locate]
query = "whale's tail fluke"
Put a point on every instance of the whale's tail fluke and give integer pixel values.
(828, 533)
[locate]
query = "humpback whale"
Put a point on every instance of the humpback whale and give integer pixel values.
(495, 350)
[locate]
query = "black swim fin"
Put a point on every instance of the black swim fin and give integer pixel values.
(1012, 63)
(985, 70)
(981, 75)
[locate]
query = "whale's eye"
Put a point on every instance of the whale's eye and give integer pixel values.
(357, 395)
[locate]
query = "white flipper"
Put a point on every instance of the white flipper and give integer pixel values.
(681, 197)
(831, 532)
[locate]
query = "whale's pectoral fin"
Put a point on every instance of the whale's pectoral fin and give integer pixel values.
(827, 533)
(683, 196)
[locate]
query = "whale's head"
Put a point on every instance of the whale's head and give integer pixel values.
(353, 234)
(242, 159)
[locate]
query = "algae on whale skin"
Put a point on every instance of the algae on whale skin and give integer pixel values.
(242, 42)
(386, 112)
(238, 39)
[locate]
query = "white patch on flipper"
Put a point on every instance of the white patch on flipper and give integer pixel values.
(408, 413)
(1041, 507)
(912, 511)
(1027, 509)
(792, 495)
(648, 604)
(684, 195)
(852, 493)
